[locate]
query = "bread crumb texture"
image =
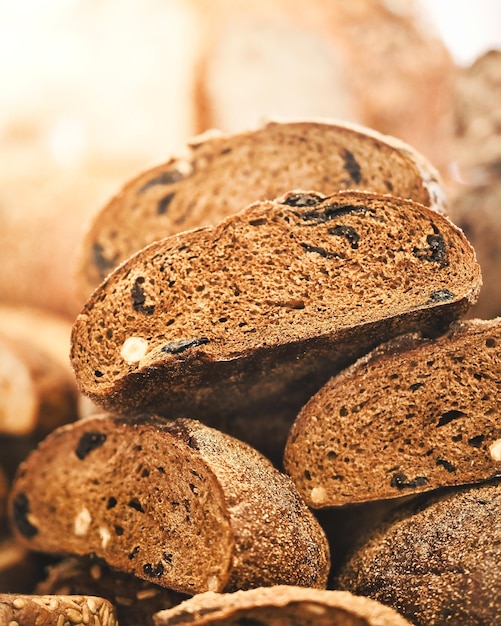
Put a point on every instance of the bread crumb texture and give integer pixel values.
(281, 292)
(174, 503)
(414, 415)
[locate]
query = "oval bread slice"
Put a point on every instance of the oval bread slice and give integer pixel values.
(176, 503)
(284, 605)
(219, 174)
(414, 415)
(269, 303)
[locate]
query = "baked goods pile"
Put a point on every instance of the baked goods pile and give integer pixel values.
(282, 387)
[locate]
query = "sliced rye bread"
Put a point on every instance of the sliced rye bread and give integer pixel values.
(32, 610)
(414, 415)
(281, 604)
(135, 599)
(219, 174)
(436, 561)
(266, 306)
(176, 503)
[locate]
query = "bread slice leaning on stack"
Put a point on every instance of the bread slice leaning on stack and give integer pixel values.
(267, 305)
(414, 415)
(220, 174)
(280, 604)
(173, 502)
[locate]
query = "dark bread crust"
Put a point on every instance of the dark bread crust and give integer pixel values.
(175, 503)
(219, 174)
(436, 561)
(414, 415)
(284, 605)
(269, 303)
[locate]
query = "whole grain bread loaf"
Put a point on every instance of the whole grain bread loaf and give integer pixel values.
(173, 502)
(414, 415)
(268, 304)
(219, 174)
(437, 561)
(30, 610)
(284, 605)
(135, 599)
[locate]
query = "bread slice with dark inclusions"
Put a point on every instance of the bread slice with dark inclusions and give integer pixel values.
(268, 304)
(219, 174)
(436, 560)
(414, 415)
(173, 502)
(280, 605)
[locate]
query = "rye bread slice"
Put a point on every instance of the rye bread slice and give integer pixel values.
(219, 174)
(269, 303)
(176, 503)
(414, 415)
(436, 561)
(284, 605)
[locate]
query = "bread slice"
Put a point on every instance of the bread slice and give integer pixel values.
(175, 503)
(219, 174)
(135, 599)
(414, 415)
(436, 561)
(28, 610)
(268, 304)
(284, 605)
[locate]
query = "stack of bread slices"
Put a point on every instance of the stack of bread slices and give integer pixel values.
(291, 413)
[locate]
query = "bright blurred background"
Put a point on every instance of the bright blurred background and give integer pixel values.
(94, 91)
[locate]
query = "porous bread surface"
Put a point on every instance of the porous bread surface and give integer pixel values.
(414, 415)
(175, 503)
(280, 605)
(222, 173)
(284, 291)
(437, 562)
(56, 610)
(135, 599)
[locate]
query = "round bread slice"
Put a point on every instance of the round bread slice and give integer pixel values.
(269, 303)
(220, 174)
(436, 561)
(414, 415)
(281, 604)
(176, 503)
(52, 610)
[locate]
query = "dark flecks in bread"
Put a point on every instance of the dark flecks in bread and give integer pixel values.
(277, 295)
